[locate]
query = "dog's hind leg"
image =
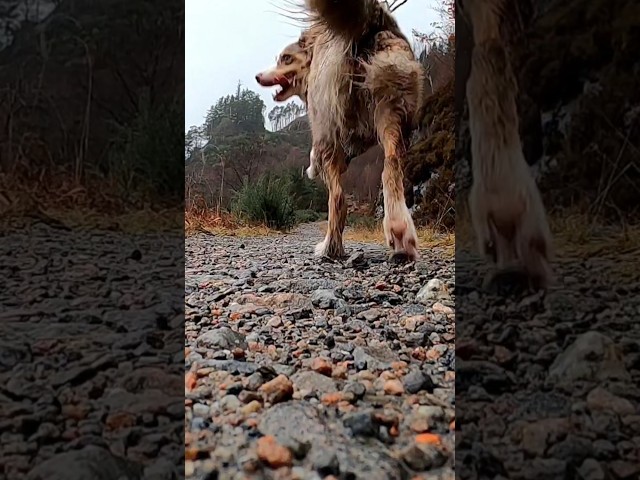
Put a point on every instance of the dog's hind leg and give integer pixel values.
(332, 166)
(399, 230)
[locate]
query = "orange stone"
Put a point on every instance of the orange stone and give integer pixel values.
(321, 365)
(339, 371)
(191, 453)
(190, 381)
(238, 353)
(272, 453)
(399, 365)
(277, 390)
(251, 422)
(393, 387)
(433, 354)
(119, 420)
(428, 439)
(331, 398)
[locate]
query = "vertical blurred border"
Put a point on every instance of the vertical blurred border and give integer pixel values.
(547, 380)
(92, 249)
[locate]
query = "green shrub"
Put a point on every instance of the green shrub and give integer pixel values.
(307, 194)
(355, 220)
(142, 157)
(308, 216)
(268, 201)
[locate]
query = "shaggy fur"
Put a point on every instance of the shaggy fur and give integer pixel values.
(506, 208)
(362, 85)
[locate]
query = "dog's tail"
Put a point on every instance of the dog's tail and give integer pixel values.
(351, 19)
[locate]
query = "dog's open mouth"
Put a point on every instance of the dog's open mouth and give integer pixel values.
(284, 84)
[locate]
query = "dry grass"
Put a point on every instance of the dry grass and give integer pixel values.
(574, 234)
(216, 223)
(219, 223)
(613, 250)
(427, 237)
(134, 222)
(56, 201)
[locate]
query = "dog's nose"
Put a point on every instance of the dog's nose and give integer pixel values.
(258, 77)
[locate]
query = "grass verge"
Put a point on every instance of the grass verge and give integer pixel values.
(427, 237)
(218, 223)
(575, 234)
(67, 205)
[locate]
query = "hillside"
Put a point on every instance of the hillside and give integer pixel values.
(430, 162)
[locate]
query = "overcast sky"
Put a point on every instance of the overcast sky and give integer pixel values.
(231, 41)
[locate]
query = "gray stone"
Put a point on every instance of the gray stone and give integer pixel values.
(592, 357)
(90, 462)
(423, 457)
(222, 338)
(313, 381)
(416, 381)
(375, 357)
(324, 299)
(433, 290)
(591, 470)
(360, 424)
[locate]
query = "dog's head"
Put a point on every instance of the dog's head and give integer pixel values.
(290, 72)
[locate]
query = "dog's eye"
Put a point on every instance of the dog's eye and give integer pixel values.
(287, 59)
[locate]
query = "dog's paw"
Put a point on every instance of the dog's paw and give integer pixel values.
(400, 234)
(321, 248)
(330, 248)
(536, 252)
(512, 230)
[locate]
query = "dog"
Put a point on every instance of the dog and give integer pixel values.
(362, 85)
(507, 212)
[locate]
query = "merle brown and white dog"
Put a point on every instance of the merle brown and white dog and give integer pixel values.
(362, 85)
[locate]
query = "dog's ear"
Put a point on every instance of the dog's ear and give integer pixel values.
(303, 41)
(306, 39)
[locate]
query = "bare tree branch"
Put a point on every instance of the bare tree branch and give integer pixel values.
(395, 4)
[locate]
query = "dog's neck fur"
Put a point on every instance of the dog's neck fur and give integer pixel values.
(307, 41)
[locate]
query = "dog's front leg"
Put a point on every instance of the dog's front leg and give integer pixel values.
(399, 230)
(332, 166)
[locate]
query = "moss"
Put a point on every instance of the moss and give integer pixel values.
(431, 160)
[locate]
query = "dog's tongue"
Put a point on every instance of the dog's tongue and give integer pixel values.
(270, 82)
(267, 82)
(283, 81)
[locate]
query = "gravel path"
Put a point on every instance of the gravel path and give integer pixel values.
(91, 339)
(300, 368)
(547, 384)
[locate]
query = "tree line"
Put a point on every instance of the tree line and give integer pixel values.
(281, 116)
(235, 114)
